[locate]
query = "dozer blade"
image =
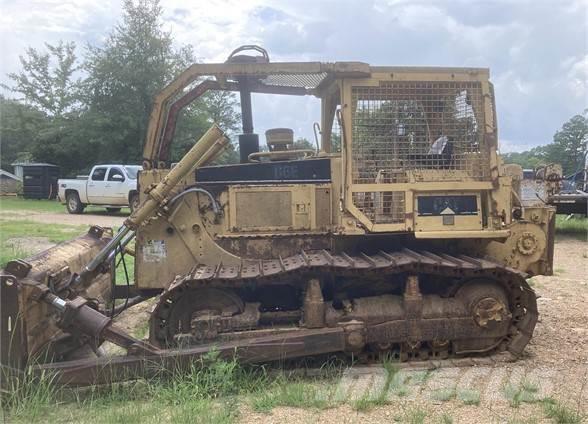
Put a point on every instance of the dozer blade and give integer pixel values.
(106, 370)
(29, 328)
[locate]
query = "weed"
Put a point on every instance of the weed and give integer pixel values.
(446, 419)
(28, 395)
(561, 414)
(295, 394)
(10, 252)
(208, 378)
(412, 416)
(469, 397)
(526, 393)
(398, 384)
(369, 401)
(443, 395)
(421, 377)
(529, 386)
(365, 403)
(198, 395)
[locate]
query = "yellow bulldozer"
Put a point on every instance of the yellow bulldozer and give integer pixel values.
(401, 234)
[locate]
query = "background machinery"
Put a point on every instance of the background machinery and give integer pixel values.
(402, 234)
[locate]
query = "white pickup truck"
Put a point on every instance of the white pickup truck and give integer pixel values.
(111, 186)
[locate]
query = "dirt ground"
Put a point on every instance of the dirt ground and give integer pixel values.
(29, 244)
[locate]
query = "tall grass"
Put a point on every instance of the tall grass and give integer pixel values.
(25, 396)
(562, 414)
(10, 252)
(393, 383)
(209, 390)
(206, 392)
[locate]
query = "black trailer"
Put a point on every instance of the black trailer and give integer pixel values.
(39, 180)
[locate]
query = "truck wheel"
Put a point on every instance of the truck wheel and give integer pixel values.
(134, 202)
(73, 203)
(112, 210)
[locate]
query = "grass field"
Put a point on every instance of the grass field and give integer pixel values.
(25, 230)
(19, 239)
(19, 204)
(576, 226)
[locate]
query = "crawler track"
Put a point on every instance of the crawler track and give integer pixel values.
(396, 336)
(262, 344)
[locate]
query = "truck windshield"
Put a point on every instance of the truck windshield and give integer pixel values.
(132, 171)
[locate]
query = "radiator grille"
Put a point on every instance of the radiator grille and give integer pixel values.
(420, 127)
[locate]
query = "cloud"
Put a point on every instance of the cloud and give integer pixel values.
(576, 71)
(536, 49)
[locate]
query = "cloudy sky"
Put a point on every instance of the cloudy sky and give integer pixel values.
(536, 49)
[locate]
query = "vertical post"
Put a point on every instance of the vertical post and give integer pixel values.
(246, 109)
(248, 141)
(314, 306)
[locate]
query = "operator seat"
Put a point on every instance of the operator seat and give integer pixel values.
(439, 156)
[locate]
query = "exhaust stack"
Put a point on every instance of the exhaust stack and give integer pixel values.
(248, 141)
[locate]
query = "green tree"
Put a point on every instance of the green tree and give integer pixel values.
(220, 107)
(46, 80)
(529, 159)
(569, 144)
(19, 128)
(568, 148)
(214, 106)
(303, 144)
(137, 60)
(46, 122)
